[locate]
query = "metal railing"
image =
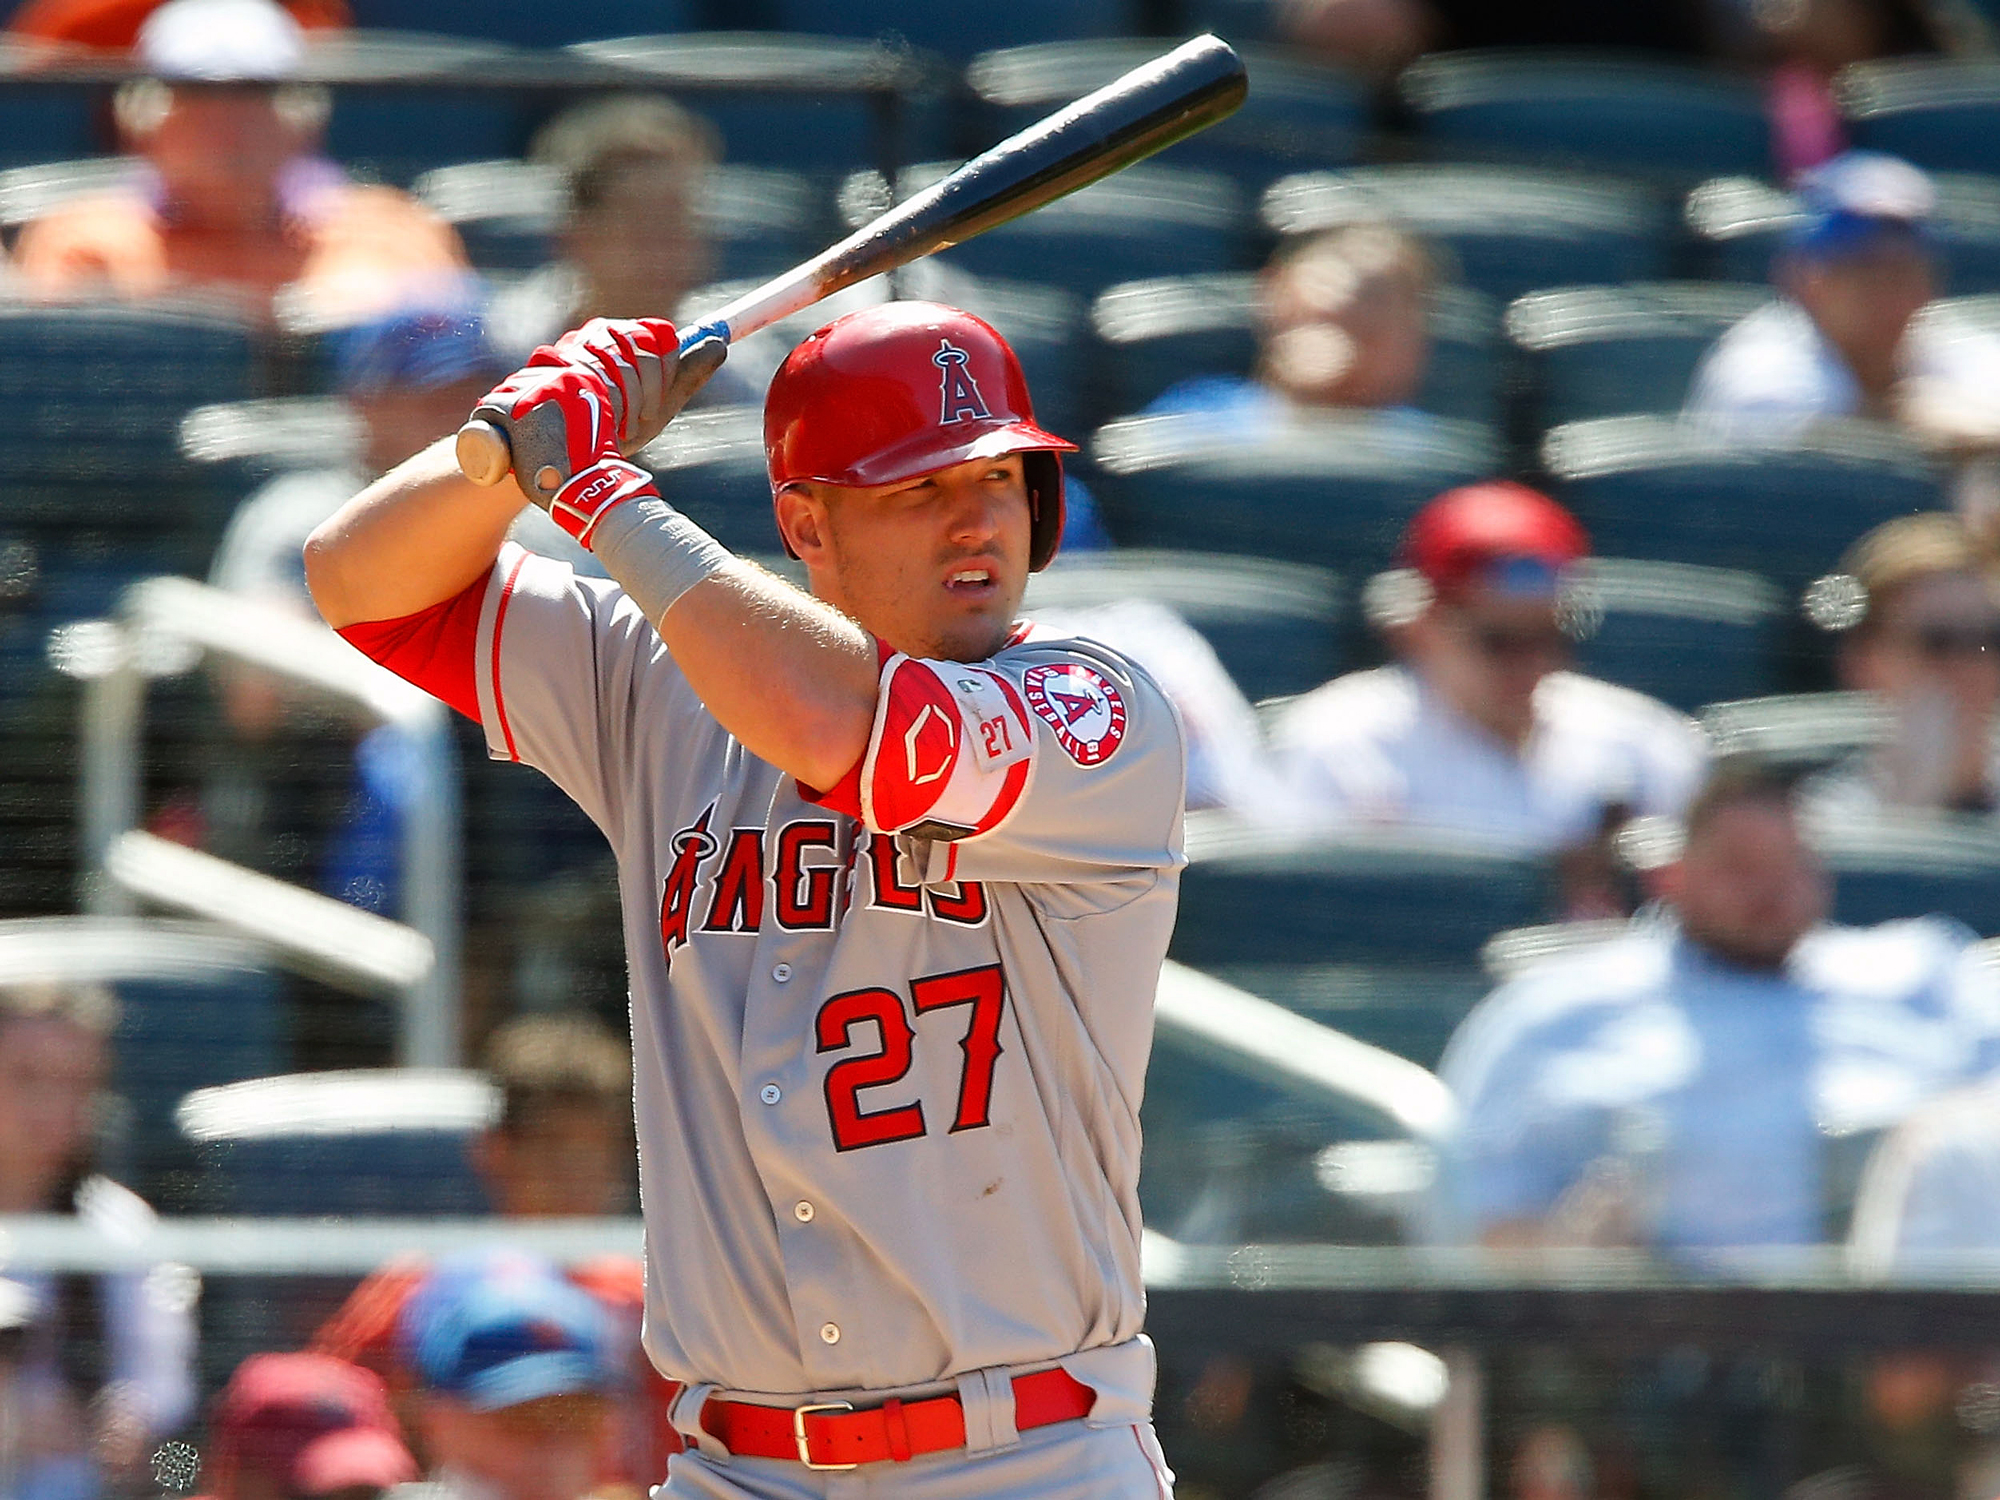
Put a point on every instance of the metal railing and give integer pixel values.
(165, 627)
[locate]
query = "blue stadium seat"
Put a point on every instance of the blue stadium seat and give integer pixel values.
(195, 1008)
(1799, 731)
(42, 124)
(389, 1143)
(952, 32)
(1259, 899)
(1145, 221)
(793, 101)
(1685, 635)
(1275, 626)
(1334, 492)
(527, 23)
(1589, 109)
(1894, 868)
(760, 220)
(1160, 332)
(1656, 488)
(1605, 351)
(1741, 225)
(395, 112)
(1940, 114)
(1407, 1004)
(1510, 231)
(1297, 116)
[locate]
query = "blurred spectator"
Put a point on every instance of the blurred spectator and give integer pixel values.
(1922, 623)
(517, 1377)
(237, 203)
(106, 1360)
(1380, 36)
(1477, 728)
(1841, 341)
(1683, 1088)
(634, 170)
(408, 378)
(1345, 327)
(303, 1427)
(113, 25)
(563, 1144)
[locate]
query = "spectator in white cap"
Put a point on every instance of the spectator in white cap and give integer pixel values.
(1843, 339)
(234, 198)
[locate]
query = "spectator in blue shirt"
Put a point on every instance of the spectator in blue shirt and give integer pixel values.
(1681, 1088)
(1344, 328)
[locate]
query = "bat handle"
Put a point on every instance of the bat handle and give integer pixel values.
(485, 451)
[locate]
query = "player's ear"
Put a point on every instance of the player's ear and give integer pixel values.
(801, 514)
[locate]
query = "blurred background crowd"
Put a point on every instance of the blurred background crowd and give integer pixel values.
(1550, 453)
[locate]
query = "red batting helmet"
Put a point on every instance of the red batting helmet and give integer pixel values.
(898, 391)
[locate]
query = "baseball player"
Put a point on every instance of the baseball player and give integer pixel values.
(897, 872)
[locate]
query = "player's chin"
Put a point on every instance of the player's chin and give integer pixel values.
(966, 633)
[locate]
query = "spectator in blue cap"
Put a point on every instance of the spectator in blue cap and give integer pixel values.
(1857, 267)
(518, 1371)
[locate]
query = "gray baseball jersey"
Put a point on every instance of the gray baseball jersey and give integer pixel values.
(890, 1040)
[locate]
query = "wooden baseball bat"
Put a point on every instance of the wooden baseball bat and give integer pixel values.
(1130, 118)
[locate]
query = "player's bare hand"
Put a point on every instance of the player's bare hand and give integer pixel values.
(639, 361)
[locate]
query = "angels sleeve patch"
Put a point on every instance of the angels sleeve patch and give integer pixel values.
(1080, 705)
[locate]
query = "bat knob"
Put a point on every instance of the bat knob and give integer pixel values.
(484, 454)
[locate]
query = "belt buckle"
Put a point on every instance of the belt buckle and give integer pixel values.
(799, 1431)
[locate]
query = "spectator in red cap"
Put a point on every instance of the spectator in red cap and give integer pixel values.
(292, 1426)
(1478, 727)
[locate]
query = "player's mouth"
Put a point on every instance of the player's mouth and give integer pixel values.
(971, 581)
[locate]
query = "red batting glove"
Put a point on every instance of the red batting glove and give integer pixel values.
(637, 359)
(565, 442)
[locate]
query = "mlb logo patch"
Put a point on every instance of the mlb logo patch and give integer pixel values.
(1083, 709)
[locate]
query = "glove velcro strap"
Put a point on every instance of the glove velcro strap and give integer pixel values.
(581, 503)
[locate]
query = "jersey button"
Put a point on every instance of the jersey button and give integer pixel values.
(782, 973)
(802, 1211)
(829, 1333)
(770, 1093)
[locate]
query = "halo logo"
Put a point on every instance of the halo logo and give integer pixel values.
(958, 392)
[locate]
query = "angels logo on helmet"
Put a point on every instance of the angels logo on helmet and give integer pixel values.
(959, 396)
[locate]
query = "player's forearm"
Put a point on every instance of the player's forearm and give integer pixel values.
(790, 677)
(415, 537)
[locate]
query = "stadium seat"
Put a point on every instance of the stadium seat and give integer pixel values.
(809, 103)
(946, 30)
(1799, 731)
(1145, 221)
(396, 113)
(1330, 491)
(710, 464)
(1589, 109)
(1667, 491)
(195, 1008)
(527, 23)
(1685, 635)
(1510, 231)
(1742, 224)
(389, 1142)
(1942, 115)
(1297, 116)
(1256, 1122)
(1249, 897)
(1605, 351)
(1891, 867)
(1160, 332)
(760, 220)
(1275, 626)
(1406, 1004)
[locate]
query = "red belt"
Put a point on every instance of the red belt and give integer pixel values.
(833, 1435)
